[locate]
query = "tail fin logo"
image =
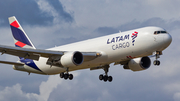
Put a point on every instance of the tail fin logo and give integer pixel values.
(20, 44)
(19, 35)
(15, 24)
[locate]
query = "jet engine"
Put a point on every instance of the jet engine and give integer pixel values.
(138, 64)
(71, 59)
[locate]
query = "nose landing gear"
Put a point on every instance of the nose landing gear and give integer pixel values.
(156, 62)
(157, 54)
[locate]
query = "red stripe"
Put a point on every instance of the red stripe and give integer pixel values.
(134, 34)
(130, 57)
(20, 44)
(15, 24)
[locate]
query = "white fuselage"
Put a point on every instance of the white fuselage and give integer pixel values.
(113, 48)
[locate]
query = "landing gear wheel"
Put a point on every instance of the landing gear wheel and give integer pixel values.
(110, 78)
(101, 77)
(70, 76)
(61, 75)
(156, 62)
(66, 76)
(105, 78)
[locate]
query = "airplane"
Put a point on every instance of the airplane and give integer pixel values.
(132, 49)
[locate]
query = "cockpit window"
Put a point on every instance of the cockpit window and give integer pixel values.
(159, 32)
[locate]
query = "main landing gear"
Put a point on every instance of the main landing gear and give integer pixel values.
(157, 62)
(66, 75)
(102, 77)
(105, 77)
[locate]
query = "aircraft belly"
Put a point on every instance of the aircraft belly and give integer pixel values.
(53, 70)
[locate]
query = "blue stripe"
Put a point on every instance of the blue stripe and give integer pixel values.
(20, 36)
(30, 63)
(17, 46)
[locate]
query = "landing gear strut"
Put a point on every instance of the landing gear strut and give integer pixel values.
(66, 75)
(105, 77)
(157, 62)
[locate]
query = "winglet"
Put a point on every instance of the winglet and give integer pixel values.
(19, 35)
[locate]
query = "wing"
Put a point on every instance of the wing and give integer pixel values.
(35, 54)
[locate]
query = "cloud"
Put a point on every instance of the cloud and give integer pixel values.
(169, 25)
(15, 92)
(106, 30)
(58, 7)
(47, 87)
(114, 13)
(55, 9)
(32, 13)
(177, 96)
(26, 11)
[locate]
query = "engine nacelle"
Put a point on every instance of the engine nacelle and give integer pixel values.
(71, 59)
(139, 64)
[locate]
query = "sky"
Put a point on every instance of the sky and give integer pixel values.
(50, 23)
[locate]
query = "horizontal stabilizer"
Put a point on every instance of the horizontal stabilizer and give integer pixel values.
(12, 63)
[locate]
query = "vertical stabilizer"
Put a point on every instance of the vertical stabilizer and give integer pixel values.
(21, 40)
(19, 35)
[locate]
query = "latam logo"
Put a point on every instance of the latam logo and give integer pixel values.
(134, 36)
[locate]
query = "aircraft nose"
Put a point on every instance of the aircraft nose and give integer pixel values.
(167, 39)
